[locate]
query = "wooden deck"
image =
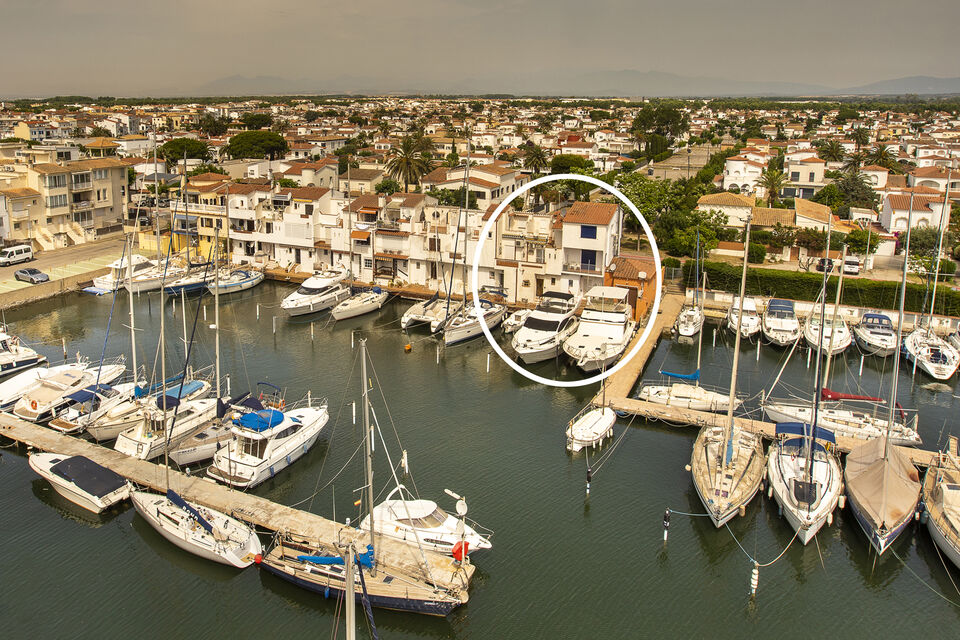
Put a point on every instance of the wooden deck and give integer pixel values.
(393, 555)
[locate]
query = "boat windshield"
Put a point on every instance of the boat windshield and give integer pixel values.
(253, 446)
(312, 291)
(431, 521)
(539, 324)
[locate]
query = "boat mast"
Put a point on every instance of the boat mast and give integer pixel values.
(815, 414)
(700, 333)
(944, 214)
(163, 364)
(156, 199)
(736, 350)
(466, 220)
(350, 604)
(133, 334)
(367, 442)
(350, 230)
(833, 320)
(216, 312)
(186, 213)
(896, 361)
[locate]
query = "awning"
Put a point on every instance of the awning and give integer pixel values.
(360, 235)
(803, 430)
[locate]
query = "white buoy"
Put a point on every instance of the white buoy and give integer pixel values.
(488, 363)
(354, 412)
(809, 351)
(861, 365)
(274, 324)
(714, 338)
(758, 350)
(258, 311)
(754, 579)
(438, 354)
(174, 306)
(830, 519)
(311, 332)
(204, 313)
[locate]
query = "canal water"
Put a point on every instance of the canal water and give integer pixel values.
(562, 565)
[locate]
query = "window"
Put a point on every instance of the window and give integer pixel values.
(57, 181)
(795, 176)
(812, 178)
(55, 202)
(367, 263)
(588, 231)
(100, 174)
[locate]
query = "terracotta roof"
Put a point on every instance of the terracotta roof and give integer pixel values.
(240, 188)
(305, 193)
(366, 201)
(209, 177)
(900, 202)
(896, 181)
(598, 213)
(875, 167)
(725, 198)
(19, 192)
(812, 210)
(408, 199)
(437, 175)
(629, 268)
(767, 217)
(362, 174)
(493, 169)
(78, 165)
(102, 143)
(929, 172)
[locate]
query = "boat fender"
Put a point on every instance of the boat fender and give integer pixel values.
(288, 459)
(271, 472)
(326, 592)
(666, 524)
(830, 519)
(842, 502)
(407, 348)
(770, 491)
(743, 510)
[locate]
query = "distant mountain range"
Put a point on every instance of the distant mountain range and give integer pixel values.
(594, 83)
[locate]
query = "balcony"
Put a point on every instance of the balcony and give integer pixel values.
(81, 185)
(81, 205)
(582, 267)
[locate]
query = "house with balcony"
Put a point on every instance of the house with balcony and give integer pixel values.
(740, 175)
(737, 207)
(806, 177)
(927, 211)
(589, 238)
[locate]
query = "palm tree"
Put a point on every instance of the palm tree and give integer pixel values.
(861, 137)
(853, 162)
(831, 151)
(773, 181)
(535, 158)
(519, 130)
(408, 162)
(880, 155)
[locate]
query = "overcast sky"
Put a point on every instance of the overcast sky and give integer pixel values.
(118, 47)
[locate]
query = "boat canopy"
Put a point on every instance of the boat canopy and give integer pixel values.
(88, 475)
(139, 391)
(779, 305)
(260, 420)
(877, 320)
(683, 376)
(749, 304)
(363, 559)
(803, 429)
(183, 504)
(886, 489)
(172, 402)
(88, 393)
(558, 294)
(613, 293)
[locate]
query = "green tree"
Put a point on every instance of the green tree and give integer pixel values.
(830, 196)
(476, 106)
(856, 192)
(100, 132)
(831, 151)
(388, 186)
(781, 236)
(566, 163)
(773, 181)
(408, 162)
(212, 125)
(811, 239)
(287, 183)
(535, 158)
(173, 151)
(853, 162)
(860, 137)
(857, 241)
(252, 120)
(310, 115)
(256, 144)
(453, 197)
(756, 253)
(206, 168)
(881, 156)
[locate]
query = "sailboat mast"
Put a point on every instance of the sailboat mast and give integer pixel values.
(944, 214)
(350, 603)
(216, 312)
(896, 361)
(696, 288)
(466, 220)
(736, 345)
(350, 231)
(815, 415)
(133, 334)
(163, 369)
(367, 439)
(156, 198)
(833, 320)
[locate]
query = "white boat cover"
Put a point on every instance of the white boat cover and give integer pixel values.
(887, 490)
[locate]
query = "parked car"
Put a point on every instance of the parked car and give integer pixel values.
(33, 276)
(825, 264)
(13, 255)
(851, 266)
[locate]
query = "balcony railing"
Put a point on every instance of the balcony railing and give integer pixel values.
(78, 185)
(582, 267)
(81, 205)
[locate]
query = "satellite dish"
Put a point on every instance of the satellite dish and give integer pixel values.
(461, 507)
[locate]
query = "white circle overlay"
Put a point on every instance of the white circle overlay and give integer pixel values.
(475, 280)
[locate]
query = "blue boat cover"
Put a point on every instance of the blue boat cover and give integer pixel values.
(778, 304)
(876, 319)
(321, 559)
(260, 420)
(250, 403)
(184, 389)
(683, 376)
(377, 290)
(803, 429)
(183, 504)
(88, 475)
(139, 392)
(88, 392)
(172, 402)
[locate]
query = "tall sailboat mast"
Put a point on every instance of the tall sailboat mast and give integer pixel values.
(216, 312)
(736, 351)
(697, 285)
(815, 415)
(944, 215)
(368, 444)
(133, 333)
(900, 312)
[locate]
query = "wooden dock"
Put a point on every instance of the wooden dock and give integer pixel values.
(444, 572)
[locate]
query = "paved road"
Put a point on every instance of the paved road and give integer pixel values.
(60, 263)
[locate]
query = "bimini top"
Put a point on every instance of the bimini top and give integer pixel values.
(121, 263)
(563, 295)
(87, 393)
(88, 475)
(803, 429)
(613, 293)
(260, 420)
(876, 320)
(779, 304)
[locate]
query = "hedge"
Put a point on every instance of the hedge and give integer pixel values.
(794, 285)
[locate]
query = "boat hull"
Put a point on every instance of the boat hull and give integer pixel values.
(879, 542)
(39, 463)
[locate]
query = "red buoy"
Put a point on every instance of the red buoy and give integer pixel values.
(257, 559)
(460, 550)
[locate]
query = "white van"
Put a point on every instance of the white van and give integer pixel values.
(851, 266)
(13, 255)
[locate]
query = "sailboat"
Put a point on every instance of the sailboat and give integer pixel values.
(316, 565)
(883, 486)
(15, 356)
(686, 394)
(727, 462)
(690, 320)
(941, 500)
(805, 477)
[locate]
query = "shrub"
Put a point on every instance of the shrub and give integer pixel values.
(670, 263)
(756, 253)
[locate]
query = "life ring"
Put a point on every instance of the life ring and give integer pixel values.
(33, 405)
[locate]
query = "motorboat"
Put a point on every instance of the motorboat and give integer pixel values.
(541, 335)
(844, 421)
(360, 303)
(605, 329)
(515, 320)
(690, 321)
(202, 531)
(235, 281)
(836, 333)
(590, 427)
(267, 440)
(941, 501)
(90, 404)
(931, 354)
(779, 324)
(750, 325)
(465, 323)
(81, 480)
(422, 523)
(204, 444)
(130, 413)
(432, 312)
(805, 478)
(120, 271)
(875, 335)
(15, 356)
(153, 278)
(52, 392)
(195, 281)
(12, 389)
(147, 438)
(313, 295)
(329, 276)
(687, 396)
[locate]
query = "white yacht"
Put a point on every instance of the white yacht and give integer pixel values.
(204, 444)
(687, 396)
(120, 271)
(360, 303)
(130, 413)
(465, 324)
(779, 324)
(941, 500)
(432, 312)
(15, 356)
(836, 334)
(690, 321)
(51, 392)
(515, 320)
(153, 278)
(933, 355)
(81, 480)
(329, 276)
(12, 390)
(235, 281)
(423, 523)
(544, 329)
(844, 421)
(267, 441)
(90, 404)
(750, 325)
(314, 295)
(199, 530)
(147, 439)
(590, 427)
(875, 335)
(806, 489)
(606, 326)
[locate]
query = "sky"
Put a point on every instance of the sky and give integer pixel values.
(178, 47)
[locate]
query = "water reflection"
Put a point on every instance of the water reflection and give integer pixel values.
(46, 494)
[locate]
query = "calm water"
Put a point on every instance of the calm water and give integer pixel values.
(561, 566)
